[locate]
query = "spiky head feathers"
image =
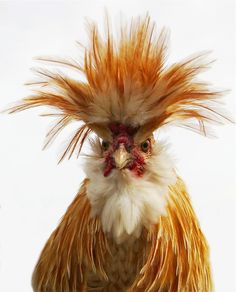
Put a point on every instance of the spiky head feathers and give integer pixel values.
(127, 83)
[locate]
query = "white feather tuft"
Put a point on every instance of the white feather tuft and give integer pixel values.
(126, 203)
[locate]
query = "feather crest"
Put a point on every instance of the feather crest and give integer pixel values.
(127, 81)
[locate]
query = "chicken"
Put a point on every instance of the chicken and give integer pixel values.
(131, 226)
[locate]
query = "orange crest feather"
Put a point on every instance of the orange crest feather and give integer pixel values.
(126, 82)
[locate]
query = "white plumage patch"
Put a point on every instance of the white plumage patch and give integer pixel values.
(125, 203)
(132, 111)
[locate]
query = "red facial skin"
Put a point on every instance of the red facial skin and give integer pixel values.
(124, 135)
(109, 165)
(137, 165)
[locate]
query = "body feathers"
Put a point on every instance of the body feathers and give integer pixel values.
(171, 256)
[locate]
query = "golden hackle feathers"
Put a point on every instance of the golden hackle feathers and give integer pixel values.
(173, 253)
(70, 250)
(128, 82)
(179, 256)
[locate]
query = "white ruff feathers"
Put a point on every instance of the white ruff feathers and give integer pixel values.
(125, 203)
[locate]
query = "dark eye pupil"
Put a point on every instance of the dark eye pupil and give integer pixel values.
(145, 146)
(105, 145)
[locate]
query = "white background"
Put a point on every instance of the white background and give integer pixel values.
(34, 191)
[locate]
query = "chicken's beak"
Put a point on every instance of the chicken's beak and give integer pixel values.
(121, 157)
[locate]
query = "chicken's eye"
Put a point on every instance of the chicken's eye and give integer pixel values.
(105, 145)
(145, 146)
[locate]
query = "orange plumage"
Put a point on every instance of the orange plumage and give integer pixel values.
(131, 227)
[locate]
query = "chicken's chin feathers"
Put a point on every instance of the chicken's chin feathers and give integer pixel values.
(126, 203)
